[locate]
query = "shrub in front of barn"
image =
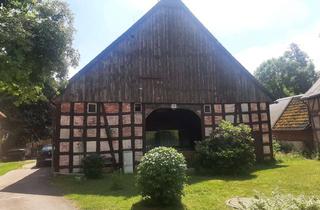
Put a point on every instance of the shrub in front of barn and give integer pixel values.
(161, 176)
(279, 201)
(93, 166)
(229, 150)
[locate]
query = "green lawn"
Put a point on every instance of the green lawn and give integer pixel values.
(291, 175)
(9, 166)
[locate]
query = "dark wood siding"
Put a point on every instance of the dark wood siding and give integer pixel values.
(167, 57)
(314, 110)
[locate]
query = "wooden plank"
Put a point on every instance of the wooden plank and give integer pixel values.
(108, 132)
(270, 130)
(177, 60)
(56, 125)
(71, 139)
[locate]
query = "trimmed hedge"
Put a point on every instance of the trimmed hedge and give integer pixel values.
(162, 175)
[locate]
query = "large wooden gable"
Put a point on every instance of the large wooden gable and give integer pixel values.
(168, 56)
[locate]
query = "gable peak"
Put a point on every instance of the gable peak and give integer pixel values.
(170, 2)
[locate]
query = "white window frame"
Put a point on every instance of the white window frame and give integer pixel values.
(204, 108)
(135, 105)
(88, 110)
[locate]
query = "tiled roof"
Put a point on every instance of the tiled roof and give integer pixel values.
(313, 91)
(294, 117)
(277, 108)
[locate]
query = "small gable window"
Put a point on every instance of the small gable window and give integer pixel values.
(138, 107)
(92, 108)
(207, 109)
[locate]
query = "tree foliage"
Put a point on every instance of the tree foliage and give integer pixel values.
(36, 51)
(35, 47)
(291, 74)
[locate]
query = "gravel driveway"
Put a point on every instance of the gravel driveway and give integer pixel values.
(29, 189)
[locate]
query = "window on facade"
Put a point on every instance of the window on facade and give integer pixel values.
(207, 109)
(92, 108)
(137, 107)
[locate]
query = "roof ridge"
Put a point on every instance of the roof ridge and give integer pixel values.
(233, 60)
(313, 91)
(115, 42)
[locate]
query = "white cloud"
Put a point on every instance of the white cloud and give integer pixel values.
(143, 5)
(308, 41)
(252, 57)
(237, 16)
(233, 17)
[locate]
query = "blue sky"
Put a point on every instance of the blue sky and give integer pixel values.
(252, 30)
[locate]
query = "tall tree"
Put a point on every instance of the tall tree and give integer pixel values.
(291, 74)
(36, 50)
(35, 47)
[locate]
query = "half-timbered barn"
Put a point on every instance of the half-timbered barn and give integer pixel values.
(166, 81)
(312, 99)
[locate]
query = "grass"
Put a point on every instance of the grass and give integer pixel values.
(9, 166)
(292, 174)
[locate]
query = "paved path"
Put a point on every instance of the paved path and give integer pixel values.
(29, 189)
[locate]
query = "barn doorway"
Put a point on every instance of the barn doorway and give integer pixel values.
(178, 128)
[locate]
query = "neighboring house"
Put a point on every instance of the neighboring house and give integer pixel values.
(312, 98)
(277, 108)
(166, 73)
(291, 123)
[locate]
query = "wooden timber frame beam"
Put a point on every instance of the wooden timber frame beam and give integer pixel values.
(108, 132)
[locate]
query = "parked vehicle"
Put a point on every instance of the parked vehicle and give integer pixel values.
(15, 155)
(45, 156)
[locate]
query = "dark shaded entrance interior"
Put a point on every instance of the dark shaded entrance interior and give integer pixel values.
(177, 128)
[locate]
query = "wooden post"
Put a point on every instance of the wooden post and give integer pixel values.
(107, 129)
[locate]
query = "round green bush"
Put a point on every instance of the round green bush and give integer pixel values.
(161, 175)
(93, 166)
(229, 150)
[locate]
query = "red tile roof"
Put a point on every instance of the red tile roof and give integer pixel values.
(294, 117)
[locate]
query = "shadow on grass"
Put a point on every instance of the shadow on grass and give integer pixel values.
(196, 178)
(274, 164)
(110, 185)
(124, 185)
(148, 205)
